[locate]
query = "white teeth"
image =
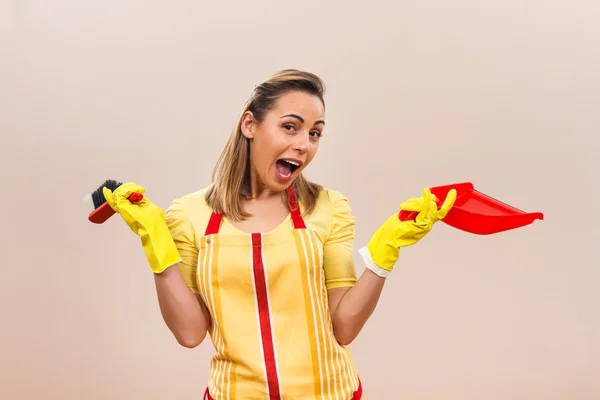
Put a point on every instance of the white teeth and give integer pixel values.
(292, 162)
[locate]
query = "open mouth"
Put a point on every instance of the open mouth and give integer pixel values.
(287, 167)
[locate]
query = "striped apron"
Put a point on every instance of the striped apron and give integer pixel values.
(270, 321)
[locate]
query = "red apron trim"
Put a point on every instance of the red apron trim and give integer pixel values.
(213, 224)
(295, 209)
(357, 395)
(264, 314)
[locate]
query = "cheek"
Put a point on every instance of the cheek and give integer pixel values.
(313, 149)
(272, 144)
(266, 148)
(270, 139)
(312, 152)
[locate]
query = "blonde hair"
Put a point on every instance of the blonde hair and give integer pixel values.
(232, 170)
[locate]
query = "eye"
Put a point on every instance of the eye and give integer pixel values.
(289, 127)
(316, 134)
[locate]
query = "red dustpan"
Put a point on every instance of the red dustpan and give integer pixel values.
(478, 213)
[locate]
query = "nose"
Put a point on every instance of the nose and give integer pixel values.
(302, 143)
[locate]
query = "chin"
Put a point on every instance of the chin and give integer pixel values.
(280, 186)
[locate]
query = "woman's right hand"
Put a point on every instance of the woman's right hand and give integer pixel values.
(147, 221)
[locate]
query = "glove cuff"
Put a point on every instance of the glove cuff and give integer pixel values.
(161, 250)
(368, 260)
(161, 261)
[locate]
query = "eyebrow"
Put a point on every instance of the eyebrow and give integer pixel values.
(302, 119)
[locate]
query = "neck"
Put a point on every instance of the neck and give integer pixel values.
(256, 190)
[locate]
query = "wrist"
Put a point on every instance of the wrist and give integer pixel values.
(371, 265)
(159, 263)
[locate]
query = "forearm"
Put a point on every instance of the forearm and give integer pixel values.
(356, 306)
(181, 310)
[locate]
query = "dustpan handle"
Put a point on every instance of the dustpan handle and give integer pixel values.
(407, 215)
(412, 215)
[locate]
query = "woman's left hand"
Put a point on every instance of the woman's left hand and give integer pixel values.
(383, 249)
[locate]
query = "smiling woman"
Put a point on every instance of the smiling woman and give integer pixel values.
(262, 259)
(258, 232)
(276, 137)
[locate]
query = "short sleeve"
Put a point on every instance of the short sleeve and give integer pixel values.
(183, 234)
(338, 261)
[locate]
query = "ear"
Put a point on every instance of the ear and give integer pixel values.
(248, 125)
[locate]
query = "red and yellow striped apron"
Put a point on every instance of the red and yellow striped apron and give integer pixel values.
(270, 320)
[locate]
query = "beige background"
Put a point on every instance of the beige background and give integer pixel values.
(500, 93)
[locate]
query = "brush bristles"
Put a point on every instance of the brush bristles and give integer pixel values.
(89, 203)
(98, 197)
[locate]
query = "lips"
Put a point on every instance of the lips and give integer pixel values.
(287, 166)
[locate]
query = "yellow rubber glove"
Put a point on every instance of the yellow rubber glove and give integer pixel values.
(383, 249)
(147, 221)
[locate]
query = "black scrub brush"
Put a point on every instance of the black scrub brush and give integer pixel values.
(100, 210)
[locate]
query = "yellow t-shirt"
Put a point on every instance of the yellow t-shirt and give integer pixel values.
(267, 297)
(332, 220)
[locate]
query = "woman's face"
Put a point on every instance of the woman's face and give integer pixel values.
(286, 141)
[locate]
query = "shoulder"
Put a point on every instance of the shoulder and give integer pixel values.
(335, 197)
(190, 207)
(190, 202)
(331, 213)
(333, 202)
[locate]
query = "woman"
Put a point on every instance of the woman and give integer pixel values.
(262, 259)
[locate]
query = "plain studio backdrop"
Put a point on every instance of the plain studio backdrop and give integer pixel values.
(503, 94)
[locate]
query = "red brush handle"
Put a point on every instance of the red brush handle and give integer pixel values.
(105, 211)
(135, 197)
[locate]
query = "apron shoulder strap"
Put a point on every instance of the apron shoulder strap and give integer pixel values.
(214, 223)
(295, 209)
